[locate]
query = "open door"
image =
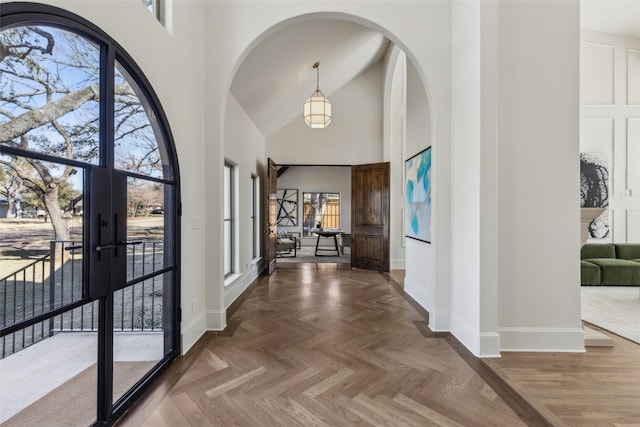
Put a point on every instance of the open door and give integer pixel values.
(272, 205)
(370, 216)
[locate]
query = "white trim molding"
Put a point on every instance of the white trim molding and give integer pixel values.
(191, 333)
(216, 320)
(568, 340)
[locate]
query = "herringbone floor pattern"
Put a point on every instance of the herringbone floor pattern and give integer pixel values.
(322, 347)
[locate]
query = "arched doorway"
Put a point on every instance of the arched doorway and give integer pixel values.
(89, 286)
(274, 50)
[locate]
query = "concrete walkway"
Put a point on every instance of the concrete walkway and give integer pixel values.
(32, 373)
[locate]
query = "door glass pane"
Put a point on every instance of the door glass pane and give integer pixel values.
(49, 92)
(55, 370)
(139, 144)
(139, 326)
(145, 228)
(41, 232)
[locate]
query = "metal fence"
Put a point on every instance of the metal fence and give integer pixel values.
(56, 280)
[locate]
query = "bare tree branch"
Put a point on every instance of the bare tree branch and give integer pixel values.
(51, 111)
(47, 113)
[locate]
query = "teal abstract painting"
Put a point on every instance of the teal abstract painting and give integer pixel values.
(418, 196)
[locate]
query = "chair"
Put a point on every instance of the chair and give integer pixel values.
(345, 242)
(285, 243)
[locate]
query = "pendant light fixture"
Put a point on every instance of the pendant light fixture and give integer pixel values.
(317, 109)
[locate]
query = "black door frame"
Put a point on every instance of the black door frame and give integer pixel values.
(107, 411)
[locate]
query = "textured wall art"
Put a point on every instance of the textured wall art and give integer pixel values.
(594, 190)
(287, 207)
(418, 196)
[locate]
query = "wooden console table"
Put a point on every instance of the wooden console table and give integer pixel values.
(330, 232)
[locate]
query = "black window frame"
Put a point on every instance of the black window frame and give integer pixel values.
(231, 245)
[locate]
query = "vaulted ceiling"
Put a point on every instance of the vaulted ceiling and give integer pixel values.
(277, 76)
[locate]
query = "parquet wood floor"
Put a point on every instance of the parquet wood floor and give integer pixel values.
(322, 347)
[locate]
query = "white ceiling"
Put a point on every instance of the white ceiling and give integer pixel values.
(278, 76)
(611, 16)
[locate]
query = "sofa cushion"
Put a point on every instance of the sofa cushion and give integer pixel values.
(589, 273)
(597, 250)
(618, 272)
(627, 250)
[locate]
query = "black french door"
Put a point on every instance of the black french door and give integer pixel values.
(89, 251)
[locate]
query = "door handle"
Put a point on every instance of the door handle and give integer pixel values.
(101, 248)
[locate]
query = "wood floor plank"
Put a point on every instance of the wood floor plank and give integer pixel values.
(236, 382)
(329, 382)
(426, 412)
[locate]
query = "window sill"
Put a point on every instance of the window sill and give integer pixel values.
(231, 278)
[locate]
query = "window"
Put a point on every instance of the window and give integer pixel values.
(321, 210)
(255, 215)
(228, 218)
(155, 7)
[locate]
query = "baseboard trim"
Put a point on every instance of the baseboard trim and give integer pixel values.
(192, 332)
(216, 320)
(489, 344)
(564, 340)
(398, 264)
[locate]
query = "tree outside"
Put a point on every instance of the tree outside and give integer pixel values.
(49, 104)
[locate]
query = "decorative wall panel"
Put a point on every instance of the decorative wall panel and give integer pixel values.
(633, 156)
(633, 226)
(633, 84)
(596, 134)
(596, 74)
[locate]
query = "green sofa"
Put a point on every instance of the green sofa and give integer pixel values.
(613, 264)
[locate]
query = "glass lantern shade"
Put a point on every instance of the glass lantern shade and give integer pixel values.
(317, 111)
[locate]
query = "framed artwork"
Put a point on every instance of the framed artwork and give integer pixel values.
(287, 200)
(418, 196)
(594, 190)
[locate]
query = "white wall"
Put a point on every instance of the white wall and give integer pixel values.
(244, 145)
(394, 140)
(538, 194)
(610, 123)
(427, 264)
(327, 179)
(465, 172)
(473, 188)
(354, 135)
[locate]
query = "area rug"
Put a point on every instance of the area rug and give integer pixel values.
(307, 254)
(614, 308)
